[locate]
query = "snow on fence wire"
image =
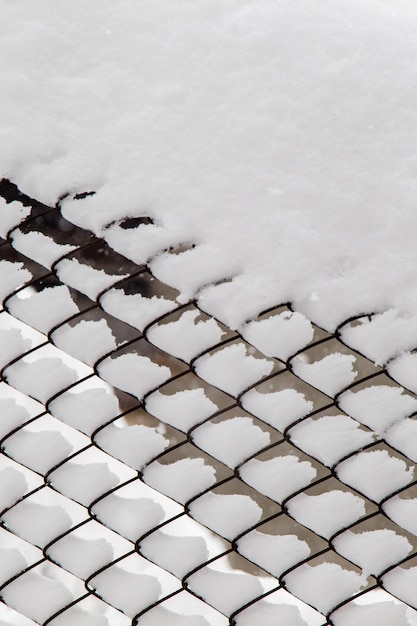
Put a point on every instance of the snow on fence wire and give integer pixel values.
(158, 468)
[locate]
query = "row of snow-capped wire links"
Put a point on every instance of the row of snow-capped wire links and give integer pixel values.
(286, 398)
(40, 383)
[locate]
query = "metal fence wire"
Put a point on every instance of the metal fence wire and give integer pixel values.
(158, 468)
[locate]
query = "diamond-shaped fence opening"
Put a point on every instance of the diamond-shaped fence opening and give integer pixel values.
(158, 468)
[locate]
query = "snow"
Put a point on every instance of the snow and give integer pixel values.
(87, 341)
(329, 438)
(12, 415)
(231, 441)
(12, 562)
(13, 487)
(42, 378)
(86, 407)
(378, 614)
(133, 373)
(274, 553)
(378, 406)
(280, 335)
(403, 511)
(279, 409)
(232, 369)
(178, 555)
(374, 551)
(185, 338)
(266, 614)
(37, 523)
(383, 337)
(39, 247)
(279, 477)
(127, 516)
(36, 596)
(227, 515)
(39, 451)
(85, 278)
(11, 215)
(401, 582)
(135, 445)
(375, 474)
(44, 309)
(403, 437)
(80, 556)
(83, 483)
(12, 277)
(225, 591)
(161, 615)
(324, 586)
(120, 588)
(183, 409)
(181, 480)
(135, 309)
(330, 375)
(328, 512)
(404, 369)
(13, 345)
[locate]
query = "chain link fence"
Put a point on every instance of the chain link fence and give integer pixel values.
(159, 468)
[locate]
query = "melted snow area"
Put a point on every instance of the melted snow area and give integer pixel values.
(208, 320)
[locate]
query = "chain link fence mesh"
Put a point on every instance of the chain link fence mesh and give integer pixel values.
(160, 468)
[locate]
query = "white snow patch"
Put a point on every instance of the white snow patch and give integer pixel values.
(40, 379)
(183, 409)
(81, 557)
(403, 437)
(37, 596)
(328, 512)
(232, 369)
(85, 408)
(182, 479)
(383, 337)
(227, 515)
(84, 278)
(160, 615)
(39, 451)
(379, 406)
(330, 375)
(37, 523)
(12, 276)
(329, 438)
(375, 474)
(231, 441)
(401, 582)
(178, 555)
(403, 511)
(128, 516)
(12, 415)
(404, 370)
(87, 341)
(44, 309)
(184, 338)
(325, 585)
(278, 478)
(39, 247)
(225, 591)
(279, 409)
(374, 551)
(264, 613)
(13, 344)
(378, 614)
(135, 309)
(13, 487)
(12, 562)
(280, 335)
(83, 483)
(133, 373)
(135, 445)
(274, 553)
(11, 215)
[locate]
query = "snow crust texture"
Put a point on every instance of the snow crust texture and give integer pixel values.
(159, 467)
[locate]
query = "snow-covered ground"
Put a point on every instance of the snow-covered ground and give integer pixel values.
(278, 136)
